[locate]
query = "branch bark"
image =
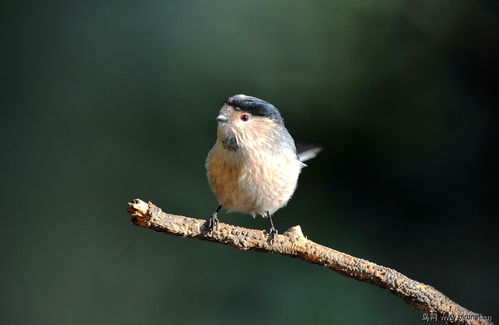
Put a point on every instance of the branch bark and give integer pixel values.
(426, 299)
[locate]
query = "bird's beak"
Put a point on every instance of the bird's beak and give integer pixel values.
(222, 118)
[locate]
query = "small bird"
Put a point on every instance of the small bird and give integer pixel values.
(254, 166)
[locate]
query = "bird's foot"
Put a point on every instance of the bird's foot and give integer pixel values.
(212, 223)
(272, 234)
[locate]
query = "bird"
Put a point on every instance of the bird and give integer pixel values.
(253, 167)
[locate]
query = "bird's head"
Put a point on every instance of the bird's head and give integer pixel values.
(246, 121)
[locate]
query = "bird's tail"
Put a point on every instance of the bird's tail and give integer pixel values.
(307, 151)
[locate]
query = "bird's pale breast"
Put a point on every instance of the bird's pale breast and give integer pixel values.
(255, 182)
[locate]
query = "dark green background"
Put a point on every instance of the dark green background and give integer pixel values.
(106, 101)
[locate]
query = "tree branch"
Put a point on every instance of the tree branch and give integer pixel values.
(422, 297)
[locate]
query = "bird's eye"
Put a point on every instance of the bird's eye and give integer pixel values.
(244, 117)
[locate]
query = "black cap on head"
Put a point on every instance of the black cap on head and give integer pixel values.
(255, 106)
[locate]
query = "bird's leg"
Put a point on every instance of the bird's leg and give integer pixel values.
(213, 221)
(272, 230)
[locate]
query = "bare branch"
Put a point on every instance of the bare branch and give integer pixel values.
(422, 297)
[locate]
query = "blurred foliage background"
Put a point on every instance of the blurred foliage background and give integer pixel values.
(106, 101)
